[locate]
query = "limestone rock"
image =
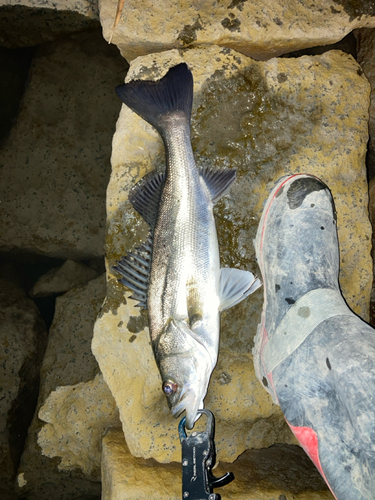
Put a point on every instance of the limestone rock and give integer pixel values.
(281, 472)
(31, 22)
(259, 29)
(371, 207)
(22, 343)
(62, 279)
(68, 361)
(77, 417)
(122, 346)
(14, 66)
(54, 165)
(267, 119)
(366, 55)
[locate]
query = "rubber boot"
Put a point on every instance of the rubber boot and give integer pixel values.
(312, 353)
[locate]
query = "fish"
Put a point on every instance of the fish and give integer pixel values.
(175, 274)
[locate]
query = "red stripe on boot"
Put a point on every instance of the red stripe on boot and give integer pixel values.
(309, 442)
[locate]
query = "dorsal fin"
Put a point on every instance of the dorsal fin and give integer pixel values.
(235, 285)
(135, 271)
(218, 181)
(145, 196)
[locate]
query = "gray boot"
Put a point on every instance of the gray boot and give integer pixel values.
(312, 353)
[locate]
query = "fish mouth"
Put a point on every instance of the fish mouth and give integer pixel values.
(191, 403)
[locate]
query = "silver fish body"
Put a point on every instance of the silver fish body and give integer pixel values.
(186, 289)
(184, 282)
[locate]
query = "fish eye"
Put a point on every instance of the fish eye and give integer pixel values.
(169, 388)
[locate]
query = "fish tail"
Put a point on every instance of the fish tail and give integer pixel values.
(152, 100)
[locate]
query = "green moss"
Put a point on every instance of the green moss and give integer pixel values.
(357, 8)
(241, 123)
(189, 33)
(114, 298)
(231, 24)
(138, 323)
(126, 229)
(237, 3)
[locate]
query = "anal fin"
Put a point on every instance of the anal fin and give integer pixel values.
(235, 285)
(135, 271)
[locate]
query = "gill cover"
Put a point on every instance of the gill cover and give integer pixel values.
(185, 365)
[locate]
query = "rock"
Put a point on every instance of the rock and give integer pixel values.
(347, 44)
(366, 54)
(77, 417)
(55, 162)
(122, 341)
(267, 119)
(23, 338)
(371, 207)
(258, 29)
(281, 472)
(68, 361)
(31, 22)
(14, 67)
(62, 279)
(365, 57)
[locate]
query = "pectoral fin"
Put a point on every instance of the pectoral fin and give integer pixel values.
(235, 285)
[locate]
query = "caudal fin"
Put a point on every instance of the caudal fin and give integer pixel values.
(154, 99)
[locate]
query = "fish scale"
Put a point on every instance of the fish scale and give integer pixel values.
(183, 218)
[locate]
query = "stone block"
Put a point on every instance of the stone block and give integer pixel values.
(31, 22)
(259, 29)
(23, 337)
(366, 58)
(122, 346)
(54, 165)
(267, 119)
(77, 417)
(62, 279)
(68, 361)
(280, 472)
